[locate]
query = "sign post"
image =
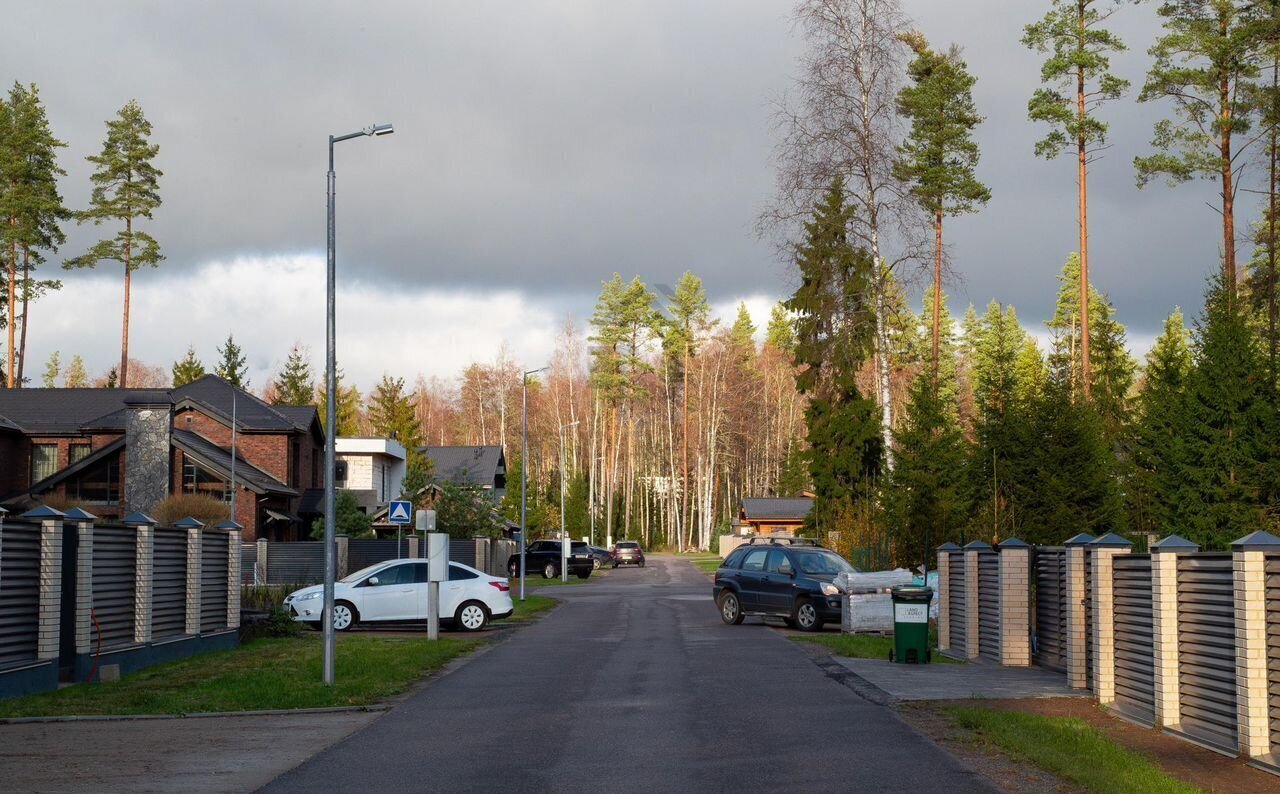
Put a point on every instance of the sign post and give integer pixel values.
(400, 513)
(437, 572)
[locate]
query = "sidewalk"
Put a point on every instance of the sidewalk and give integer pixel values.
(958, 681)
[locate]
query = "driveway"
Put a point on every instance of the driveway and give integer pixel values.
(634, 684)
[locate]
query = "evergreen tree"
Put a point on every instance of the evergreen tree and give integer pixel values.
(295, 384)
(76, 376)
(392, 415)
(1078, 80)
(1159, 433)
(231, 365)
(188, 369)
(947, 392)
(51, 370)
(939, 156)
(781, 333)
(793, 477)
(743, 332)
(1002, 423)
(125, 190)
(347, 409)
(349, 518)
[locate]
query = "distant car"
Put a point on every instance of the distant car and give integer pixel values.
(600, 557)
(627, 552)
(545, 556)
(396, 592)
(794, 582)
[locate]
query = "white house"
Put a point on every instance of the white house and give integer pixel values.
(375, 466)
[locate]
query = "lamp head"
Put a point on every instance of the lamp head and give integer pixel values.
(379, 129)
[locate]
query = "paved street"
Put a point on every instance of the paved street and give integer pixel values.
(634, 684)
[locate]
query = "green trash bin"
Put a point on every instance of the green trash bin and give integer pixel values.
(911, 623)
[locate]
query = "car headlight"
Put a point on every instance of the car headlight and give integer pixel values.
(829, 589)
(309, 596)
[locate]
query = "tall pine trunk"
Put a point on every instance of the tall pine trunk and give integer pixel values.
(13, 305)
(26, 306)
(1228, 190)
(1082, 154)
(1274, 155)
(123, 380)
(937, 289)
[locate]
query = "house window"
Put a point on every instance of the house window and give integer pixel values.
(99, 483)
(79, 452)
(44, 461)
(198, 480)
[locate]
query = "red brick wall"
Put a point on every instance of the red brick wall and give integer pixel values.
(15, 463)
(268, 452)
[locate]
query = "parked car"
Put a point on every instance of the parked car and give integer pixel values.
(544, 556)
(627, 552)
(600, 557)
(795, 582)
(396, 592)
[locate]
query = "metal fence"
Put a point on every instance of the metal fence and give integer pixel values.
(1207, 649)
(248, 563)
(1273, 646)
(1134, 638)
(114, 576)
(463, 551)
(364, 552)
(295, 563)
(989, 605)
(169, 583)
(1050, 647)
(19, 592)
(213, 581)
(1088, 617)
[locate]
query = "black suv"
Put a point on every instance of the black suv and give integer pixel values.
(544, 556)
(790, 581)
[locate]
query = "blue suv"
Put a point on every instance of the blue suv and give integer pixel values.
(793, 582)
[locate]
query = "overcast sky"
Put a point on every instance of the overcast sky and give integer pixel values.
(539, 147)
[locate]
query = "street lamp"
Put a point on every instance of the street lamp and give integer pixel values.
(524, 466)
(331, 411)
(564, 537)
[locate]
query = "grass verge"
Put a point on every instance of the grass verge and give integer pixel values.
(537, 581)
(532, 606)
(862, 646)
(708, 564)
(1069, 748)
(276, 673)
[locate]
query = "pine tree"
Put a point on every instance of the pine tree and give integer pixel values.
(1079, 79)
(126, 189)
(188, 369)
(76, 376)
(781, 333)
(1159, 432)
(51, 370)
(231, 365)
(31, 210)
(392, 415)
(939, 156)
(347, 409)
(295, 384)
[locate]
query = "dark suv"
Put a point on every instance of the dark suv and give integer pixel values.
(627, 552)
(789, 581)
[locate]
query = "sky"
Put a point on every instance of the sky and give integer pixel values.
(540, 147)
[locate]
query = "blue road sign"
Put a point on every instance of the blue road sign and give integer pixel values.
(400, 513)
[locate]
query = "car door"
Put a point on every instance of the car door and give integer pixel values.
(456, 590)
(777, 584)
(750, 579)
(389, 594)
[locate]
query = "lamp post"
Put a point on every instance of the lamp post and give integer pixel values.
(331, 411)
(564, 537)
(524, 466)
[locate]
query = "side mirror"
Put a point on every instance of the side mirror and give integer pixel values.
(373, 581)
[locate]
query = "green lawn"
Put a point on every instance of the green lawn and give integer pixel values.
(1070, 748)
(708, 564)
(275, 673)
(863, 646)
(532, 605)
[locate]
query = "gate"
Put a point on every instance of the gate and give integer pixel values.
(19, 592)
(169, 583)
(956, 604)
(1207, 650)
(1051, 608)
(1273, 647)
(114, 578)
(1134, 638)
(989, 605)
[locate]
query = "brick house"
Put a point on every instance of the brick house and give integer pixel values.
(115, 451)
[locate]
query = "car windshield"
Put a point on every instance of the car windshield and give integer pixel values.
(360, 574)
(821, 561)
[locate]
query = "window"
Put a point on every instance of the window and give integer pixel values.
(44, 461)
(396, 574)
(198, 480)
(458, 574)
(754, 560)
(778, 563)
(79, 452)
(98, 484)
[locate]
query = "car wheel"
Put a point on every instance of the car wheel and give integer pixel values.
(471, 616)
(807, 617)
(595, 565)
(730, 608)
(345, 616)
(549, 571)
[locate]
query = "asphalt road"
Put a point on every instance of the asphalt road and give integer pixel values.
(634, 684)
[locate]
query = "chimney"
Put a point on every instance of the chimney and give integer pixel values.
(148, 422)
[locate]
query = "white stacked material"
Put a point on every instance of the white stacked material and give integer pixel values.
(874, 581)
(867, 604)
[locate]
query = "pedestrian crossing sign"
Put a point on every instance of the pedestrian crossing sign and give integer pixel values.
(400, 513)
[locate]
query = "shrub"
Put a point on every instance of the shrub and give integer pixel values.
(203, 508)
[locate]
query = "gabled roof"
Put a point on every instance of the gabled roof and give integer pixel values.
(774, 508)
(301, 415)
(59, 411)
(218, 459)
(252, 414)
(5, 424)
(467, 465)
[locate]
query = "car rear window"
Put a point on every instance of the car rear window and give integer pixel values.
(627, 544)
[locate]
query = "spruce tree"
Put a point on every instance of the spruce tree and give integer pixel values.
(793, 477)
(1159, 433)
(188, 369)
(295, 384)
(125, 190)
(743, 332)
(51, 370)
(781, 333)
(231, 364)
(76, 376)
(1002, 427)
(392, 415)
(347, 410)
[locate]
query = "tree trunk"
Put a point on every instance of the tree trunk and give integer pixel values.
(1086, 373)
(882, 367)
(937, 289)
(123, 380)
(26, 299)
(13, 306)
(1228, 190)
(1271, 236)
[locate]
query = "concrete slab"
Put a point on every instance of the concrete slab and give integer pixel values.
(958, 681)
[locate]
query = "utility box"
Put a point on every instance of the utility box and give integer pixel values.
(911, 623)
(437, 556)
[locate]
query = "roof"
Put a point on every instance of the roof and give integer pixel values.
(370, 446)
(301, 415)
(774, 508)
(467, 465)
(59, 411)
(252, 414)
(219, 459)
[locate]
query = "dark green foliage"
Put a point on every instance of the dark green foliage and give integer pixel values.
(1159, 428)
(416, 479)
(392, 415)
(794, 475)
(347, 410)
(624, 319)
(465, 511)
(295, 384)
(231, 364)
(781, 333)
(188, 369)
(349, 519)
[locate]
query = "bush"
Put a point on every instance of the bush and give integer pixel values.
(277, 623)
(202, 508)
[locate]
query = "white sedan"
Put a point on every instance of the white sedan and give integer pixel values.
(396, 591)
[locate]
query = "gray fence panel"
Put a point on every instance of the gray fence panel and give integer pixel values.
(248, 560)
(989, 605)
(295, 563)
(1207, 649)
(463, 551)
(169, 583)
(1273, 648)
(368, 551)
(1134, 638)
(114, 577)
(19, 592)
(1051, 608)
(213, 581)
(956, 603)
(1088, 618)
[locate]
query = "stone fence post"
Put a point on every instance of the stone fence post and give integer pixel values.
(1076, 639)
(1015, 603)
(195, 567)
(50, 596)
(83, 522)
(1102, 551)
(413, 547)
(1164, 626)
(944, 595)
(144, 562)
(233, 531)
(972, 639)
(1249, 564)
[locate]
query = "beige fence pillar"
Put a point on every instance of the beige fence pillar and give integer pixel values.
(83, 527)
(971, 609)
(194, 568)
(944, 595)
(1015, 603)
(1164, 625)
(233, 531)
(413, 547)
(143, 564)
(1249, 561)
(50, 595)
(1102, 551)
(1077, 628)
(260, 562)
